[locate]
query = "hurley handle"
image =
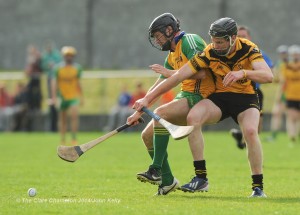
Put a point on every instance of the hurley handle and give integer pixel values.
(150, 113)
(122, 127)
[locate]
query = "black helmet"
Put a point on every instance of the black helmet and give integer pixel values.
(160, 24)
(224, 27)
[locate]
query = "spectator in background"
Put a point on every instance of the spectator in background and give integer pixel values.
(279, 104)
(120, 111)
(20, 101)
(66, 83)
(50, 57)
(167, 97)
(33, 71)
(6, 110)
(138, 93)
(291, 85)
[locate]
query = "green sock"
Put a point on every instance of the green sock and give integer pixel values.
(161, 139)
(151, 153)
(167, 176)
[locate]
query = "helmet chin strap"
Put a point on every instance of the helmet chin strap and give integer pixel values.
(229, 48)
(167, 45)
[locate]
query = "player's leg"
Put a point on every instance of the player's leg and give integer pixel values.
(238, 135)
(63, 125)
(147, 137)
(248, 121)
(63, 114)
(74, 108)
(204, 112)
(276, 120)
(292, 124)
(160, 139)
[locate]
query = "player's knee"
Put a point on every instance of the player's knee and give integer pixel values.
(194, 120)
(250, 132)
(160, 111)
(147, 138)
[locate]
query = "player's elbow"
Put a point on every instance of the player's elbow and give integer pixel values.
(270, 77)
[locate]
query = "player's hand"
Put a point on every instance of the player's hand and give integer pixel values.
(139, 104)
(232, 77)
(134, 118)
(161, 70)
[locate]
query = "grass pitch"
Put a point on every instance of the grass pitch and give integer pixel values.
(103, 180)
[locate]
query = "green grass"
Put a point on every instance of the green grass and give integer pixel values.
(105, 176)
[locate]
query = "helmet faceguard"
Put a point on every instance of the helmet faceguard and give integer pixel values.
(225, 51)
(223, 28)
(163, 24)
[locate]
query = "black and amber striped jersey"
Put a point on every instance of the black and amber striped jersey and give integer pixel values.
(244, 55)
(187, 46)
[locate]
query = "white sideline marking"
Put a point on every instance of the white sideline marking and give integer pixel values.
(90, 74)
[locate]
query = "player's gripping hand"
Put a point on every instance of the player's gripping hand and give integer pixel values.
(134, 118)
(162, 70)
(139, 104)
(232, 77)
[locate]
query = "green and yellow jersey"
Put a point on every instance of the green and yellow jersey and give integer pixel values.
(67, 77)
(187, 46)
(245, 53)
(291, 77)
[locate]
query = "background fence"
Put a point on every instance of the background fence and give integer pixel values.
(113, 33)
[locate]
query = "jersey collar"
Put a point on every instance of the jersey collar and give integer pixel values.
(177, 38)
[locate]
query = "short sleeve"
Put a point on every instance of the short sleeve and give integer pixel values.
(191, 45)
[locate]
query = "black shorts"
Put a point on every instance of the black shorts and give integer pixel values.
(232, 104)
(293, 104)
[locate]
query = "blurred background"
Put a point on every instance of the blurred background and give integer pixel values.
(111, 38)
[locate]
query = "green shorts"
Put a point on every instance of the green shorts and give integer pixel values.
(65, 104)
(192, 98)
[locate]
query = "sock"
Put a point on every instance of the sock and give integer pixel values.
(161, 139)
(167, 176)
(257, 181)
(200, 169)
(151, 152)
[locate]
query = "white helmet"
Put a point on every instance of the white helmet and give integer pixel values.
(294, 49)
(282, 49)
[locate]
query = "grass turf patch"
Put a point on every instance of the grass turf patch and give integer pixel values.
(103, 180)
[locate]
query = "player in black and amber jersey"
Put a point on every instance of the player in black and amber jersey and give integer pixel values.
(236, 64)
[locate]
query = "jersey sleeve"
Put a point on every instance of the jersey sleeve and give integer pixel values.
(191, 44)
(167, 66)
(255, 55)
(199, 62)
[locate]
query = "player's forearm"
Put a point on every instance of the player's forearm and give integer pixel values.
(169, 73)
(162, 88)
(183, 73)
(261, 76)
